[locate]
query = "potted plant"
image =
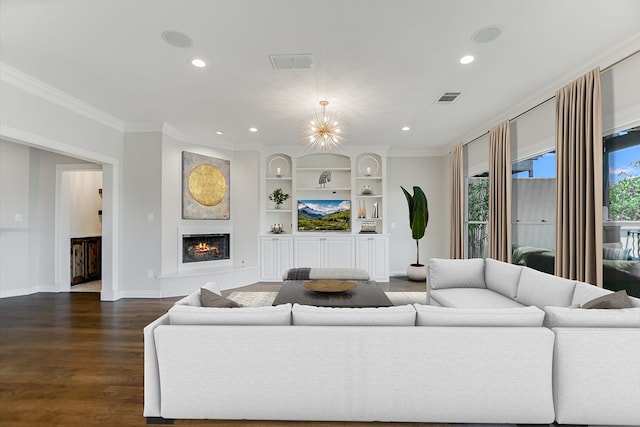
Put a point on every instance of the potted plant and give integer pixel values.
(278, 197)
(418, 220)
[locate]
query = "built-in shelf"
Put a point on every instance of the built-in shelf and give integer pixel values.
(324, 169)
(324, 189)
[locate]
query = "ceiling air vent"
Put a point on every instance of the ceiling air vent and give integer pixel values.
(291, 62)
(448, 97)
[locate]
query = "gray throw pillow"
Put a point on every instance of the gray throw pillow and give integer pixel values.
(618, 299)
(211, 299)
(618, 254)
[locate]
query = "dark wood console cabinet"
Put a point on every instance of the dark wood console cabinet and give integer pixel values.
(86, 258)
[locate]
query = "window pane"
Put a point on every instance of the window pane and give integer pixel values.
(621, 213)
(533, 206)
(477, 216)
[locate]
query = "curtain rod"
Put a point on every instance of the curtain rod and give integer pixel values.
(608, 67)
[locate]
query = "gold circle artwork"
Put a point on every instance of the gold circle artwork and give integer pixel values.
(207, 185)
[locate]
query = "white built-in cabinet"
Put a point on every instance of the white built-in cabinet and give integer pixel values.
(358, 178)
(372, 254)
(276, 256)
(324, 251)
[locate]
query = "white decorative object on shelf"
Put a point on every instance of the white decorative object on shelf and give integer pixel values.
(277, 164)
(368, 165)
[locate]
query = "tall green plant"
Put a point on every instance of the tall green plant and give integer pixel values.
(418, 215)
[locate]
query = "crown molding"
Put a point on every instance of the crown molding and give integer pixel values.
(175, 133)
(418, 153)
(37, 87)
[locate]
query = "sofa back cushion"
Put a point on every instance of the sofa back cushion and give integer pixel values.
(269, 315)
(402, 315)
(542, 289)
(456, 273)
(566, 317)
(502, 277)
(585, 292)
(445, 316)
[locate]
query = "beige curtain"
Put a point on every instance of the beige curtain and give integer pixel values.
(579, 180)
(456, 175)
(500, 192)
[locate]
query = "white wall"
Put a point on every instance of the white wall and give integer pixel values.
(431, 174)
(142, 214)
(27, 188)
(85, 203)
(31, 116)
(14, 220)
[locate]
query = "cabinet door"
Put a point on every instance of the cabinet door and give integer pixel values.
(93, 258)
(77, 261)
(379, 268)
(371, 255)
(284, 248)
(268, 258)
(339, 252)
(309, 252)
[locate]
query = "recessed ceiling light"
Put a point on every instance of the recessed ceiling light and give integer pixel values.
(467, 59)
(219, 132)
(406, 128)
(253, 129)
(198, 62)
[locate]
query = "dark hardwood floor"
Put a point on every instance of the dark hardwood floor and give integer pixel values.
(71, 360)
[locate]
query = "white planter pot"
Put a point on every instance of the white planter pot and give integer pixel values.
(417, 272)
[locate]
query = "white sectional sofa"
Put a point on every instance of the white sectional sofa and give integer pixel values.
(490, 362)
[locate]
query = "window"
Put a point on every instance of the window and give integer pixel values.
(477, 216)
(533, 212)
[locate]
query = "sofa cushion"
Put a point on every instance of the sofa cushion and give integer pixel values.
(193, 299)
(456, 273)
(542, 289)
(269, 315)
(558, 317)
(502, 277)
(471, 298)
(445, 316)
(402, 315)
(586, 292)
(211, 299)
(618, 299)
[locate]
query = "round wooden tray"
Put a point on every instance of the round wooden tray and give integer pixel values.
(329, 285)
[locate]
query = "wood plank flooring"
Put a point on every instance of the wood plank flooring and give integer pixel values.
(71, 360)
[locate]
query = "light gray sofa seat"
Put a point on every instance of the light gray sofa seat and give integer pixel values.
(472, 298)
(596, 374)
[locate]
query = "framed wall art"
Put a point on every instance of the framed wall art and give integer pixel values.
(205, 187)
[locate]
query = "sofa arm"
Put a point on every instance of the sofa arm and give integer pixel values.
(597, 376)
(151, 370)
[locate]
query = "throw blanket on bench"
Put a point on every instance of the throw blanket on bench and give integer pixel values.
(315, 273)
(298, 273)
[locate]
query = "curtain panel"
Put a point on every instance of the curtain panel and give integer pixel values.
(500, 192)
(456, 175)
(579, 180)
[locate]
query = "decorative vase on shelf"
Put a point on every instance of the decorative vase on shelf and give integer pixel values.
(278, 206)
(366, 189)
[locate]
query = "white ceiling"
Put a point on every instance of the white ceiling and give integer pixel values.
(382, 62)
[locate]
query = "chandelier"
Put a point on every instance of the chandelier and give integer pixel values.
(325, 131)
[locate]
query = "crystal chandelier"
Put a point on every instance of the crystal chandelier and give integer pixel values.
(325, 131)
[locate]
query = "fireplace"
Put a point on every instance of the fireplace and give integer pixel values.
(205, 247)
